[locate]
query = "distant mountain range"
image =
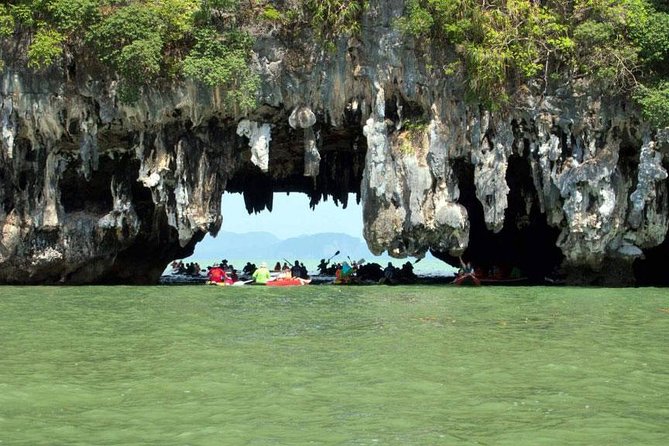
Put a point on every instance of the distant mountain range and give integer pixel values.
(263, 245)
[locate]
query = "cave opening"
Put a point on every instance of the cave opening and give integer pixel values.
(292, 230)
(650, 269)
(525, 245)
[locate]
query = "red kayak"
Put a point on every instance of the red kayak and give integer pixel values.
(293, 281)
(467, 279)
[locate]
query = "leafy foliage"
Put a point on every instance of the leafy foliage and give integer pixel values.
(272, 14)
(68, 15)
(653, 41)
(619, 45)
(223, 61)
(496, 40)
(654, 102)
(7, 23)
(45, 48)
(130, 41)
(143, 41)
(330, 18)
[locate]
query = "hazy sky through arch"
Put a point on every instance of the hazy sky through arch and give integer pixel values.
(291, 216)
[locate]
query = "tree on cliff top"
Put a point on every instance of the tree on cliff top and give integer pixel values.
(144, 42)
(619, 46)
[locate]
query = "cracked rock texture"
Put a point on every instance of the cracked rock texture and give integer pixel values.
(96, 191)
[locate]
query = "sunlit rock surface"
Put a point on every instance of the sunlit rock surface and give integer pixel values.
(97, 191)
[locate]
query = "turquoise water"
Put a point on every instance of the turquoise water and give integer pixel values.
(198, 365)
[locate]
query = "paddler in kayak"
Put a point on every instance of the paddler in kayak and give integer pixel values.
(218, 276)
(261, 275)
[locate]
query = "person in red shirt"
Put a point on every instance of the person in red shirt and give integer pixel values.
(216, 276)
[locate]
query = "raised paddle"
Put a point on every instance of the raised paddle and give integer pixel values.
(335, 254)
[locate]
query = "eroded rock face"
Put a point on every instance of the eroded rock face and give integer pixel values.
(94, 191)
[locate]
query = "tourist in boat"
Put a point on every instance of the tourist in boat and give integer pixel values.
(466, 274)
(284, 278)
(406, 273)
(466, 267)
(286, 272)
(304, 274)
(323, 267)
(344, 274)
(233, 275)
(277, 267)
(181, 268)
(295, 270)
(216, 275)
(369, 272)
(249, 268)
(261, 275)
(298, 270)
(389, 273)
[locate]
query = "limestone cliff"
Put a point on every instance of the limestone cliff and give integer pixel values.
(97, 191)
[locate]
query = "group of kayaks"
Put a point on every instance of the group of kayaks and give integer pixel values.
(292, 281)
(274, 281)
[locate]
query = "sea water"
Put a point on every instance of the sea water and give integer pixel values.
(330, 365)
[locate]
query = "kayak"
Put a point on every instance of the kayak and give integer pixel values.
(292, 281)
(467, 279)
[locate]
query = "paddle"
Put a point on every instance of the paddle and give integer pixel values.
(335, 254)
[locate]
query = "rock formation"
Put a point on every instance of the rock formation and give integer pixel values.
(97, 191)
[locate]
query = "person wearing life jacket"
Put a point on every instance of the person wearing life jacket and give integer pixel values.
(216, 275)
(343, 275)
(261, 275)
(234, 277)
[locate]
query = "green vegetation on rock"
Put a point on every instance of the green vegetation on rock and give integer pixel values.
(144, 42)
(495, 46)
(330, 18)
(617, 46)
(154, 42)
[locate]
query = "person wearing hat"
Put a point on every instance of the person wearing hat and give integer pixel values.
(261, 275)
